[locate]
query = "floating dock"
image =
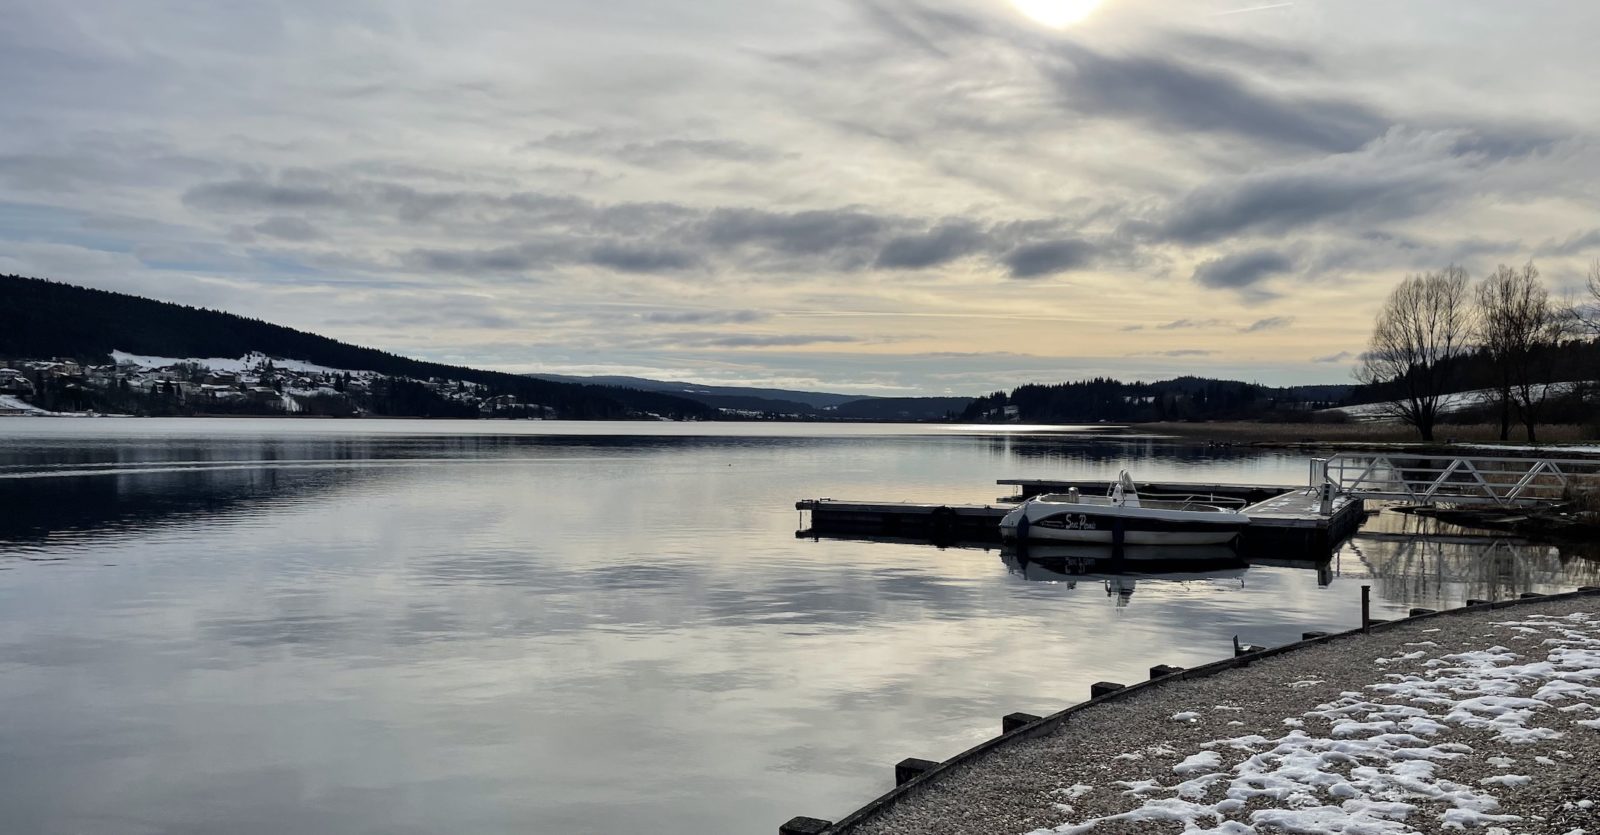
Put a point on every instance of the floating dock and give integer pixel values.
(1284, 521)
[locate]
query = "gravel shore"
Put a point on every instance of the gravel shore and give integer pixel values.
(1485, 721)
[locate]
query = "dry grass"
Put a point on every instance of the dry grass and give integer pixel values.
(1352, 433)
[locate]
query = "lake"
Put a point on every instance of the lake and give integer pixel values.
(269, 626)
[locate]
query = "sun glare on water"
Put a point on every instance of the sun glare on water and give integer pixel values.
(1057, 13)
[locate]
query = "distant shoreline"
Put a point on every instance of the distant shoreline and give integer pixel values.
(1319, 435)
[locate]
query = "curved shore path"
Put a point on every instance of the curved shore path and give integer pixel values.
(1481, 721)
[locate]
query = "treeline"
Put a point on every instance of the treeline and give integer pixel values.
(1440, 333)
(41, 318)
(1184, 398)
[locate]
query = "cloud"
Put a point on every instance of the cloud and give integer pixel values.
(1575, 244)
(704, 317)
(1049, 258)
(288, 229)
(1402, 175)
(1184, 352)
(793, 232)
(1242, 270)
(943, 243)
(641, 259)
(750, 340)
(1169, 94)
(672, 152)
(1181, 324)
(1271, 323)
(1334, 358)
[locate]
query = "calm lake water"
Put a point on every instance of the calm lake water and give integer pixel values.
(254, 626)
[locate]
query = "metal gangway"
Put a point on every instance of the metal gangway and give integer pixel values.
(1456, 480)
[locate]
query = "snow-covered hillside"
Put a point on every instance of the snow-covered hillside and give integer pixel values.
(1453, 402)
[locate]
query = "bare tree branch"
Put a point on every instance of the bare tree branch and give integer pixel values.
(1425, 325)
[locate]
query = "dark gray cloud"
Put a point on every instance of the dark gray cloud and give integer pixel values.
(1271, 323)
(641, 259)
(704, 317)
(940, 245)
(1049, 258)
(257, 195)
(1334, 358)
(1242, 270)
(793, 232)
(1278, 202)
(495, 260)
(1174, 95)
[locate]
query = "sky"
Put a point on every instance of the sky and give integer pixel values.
(889, 197)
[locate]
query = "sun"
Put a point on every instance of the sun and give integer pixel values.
(1057, 13)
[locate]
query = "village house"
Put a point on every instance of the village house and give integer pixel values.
(15, 382)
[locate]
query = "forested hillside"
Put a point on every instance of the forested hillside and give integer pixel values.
(1183, 398)
(40, 318)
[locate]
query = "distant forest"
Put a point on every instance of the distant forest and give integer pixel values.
(1184, 398)
(41, 318)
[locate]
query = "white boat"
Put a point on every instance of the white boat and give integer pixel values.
(1121, 518)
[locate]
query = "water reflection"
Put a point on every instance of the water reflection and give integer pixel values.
(1432, 564)
(1120, 576)
(257, 626)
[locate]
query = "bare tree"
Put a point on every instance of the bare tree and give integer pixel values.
(1588, 315)
(1424, 327)
(1520, 327)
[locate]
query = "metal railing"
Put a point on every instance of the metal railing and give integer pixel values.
(1457, 480)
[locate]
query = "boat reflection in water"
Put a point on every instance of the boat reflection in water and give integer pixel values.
(1119, 570)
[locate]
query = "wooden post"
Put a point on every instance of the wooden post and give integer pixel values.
(804, 826)
(1529, 595)
(1475, 601)
(1162, 671)
(1013, 721)
(1101, 688)
(1366, 609)
(911, 768)
(1420, 611)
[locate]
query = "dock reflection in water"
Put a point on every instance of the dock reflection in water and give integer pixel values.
(1120, 570)
(358, 626)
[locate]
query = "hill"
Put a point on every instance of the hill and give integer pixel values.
(700, 391)
(50, 319)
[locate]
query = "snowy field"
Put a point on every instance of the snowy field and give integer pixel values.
(1452, 402)
(1487, 722)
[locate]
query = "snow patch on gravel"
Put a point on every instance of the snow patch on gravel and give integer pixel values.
(1385, 756)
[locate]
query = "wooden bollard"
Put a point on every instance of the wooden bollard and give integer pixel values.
(911, 768)
(1312, 636)
(1473, 601)
(1013, 721)
(1101, 688)
(1419, 611)
(1244, 649)
(1529, 595)
(1163, 670)
(804, 826)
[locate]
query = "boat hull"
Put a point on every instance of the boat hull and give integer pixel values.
(1103, 525)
